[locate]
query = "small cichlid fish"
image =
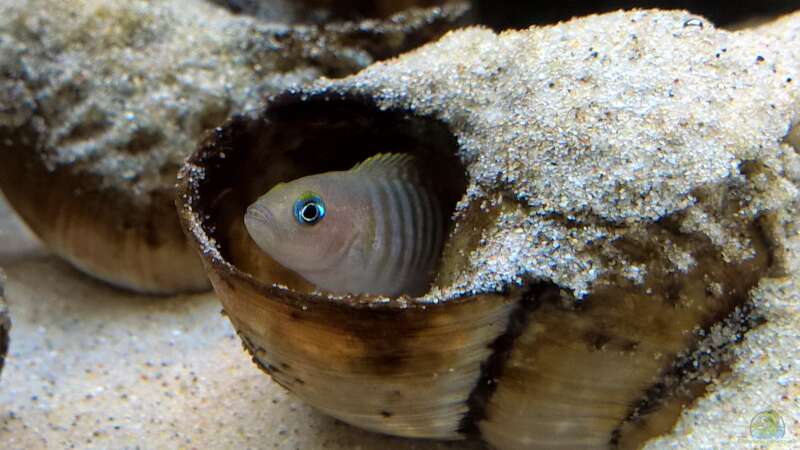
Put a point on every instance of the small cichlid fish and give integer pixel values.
(374, 229)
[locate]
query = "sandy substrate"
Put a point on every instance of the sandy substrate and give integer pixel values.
(92, 367)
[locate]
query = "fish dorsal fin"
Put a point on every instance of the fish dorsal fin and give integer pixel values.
(401, 165)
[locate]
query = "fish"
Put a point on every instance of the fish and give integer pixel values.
(374, 229)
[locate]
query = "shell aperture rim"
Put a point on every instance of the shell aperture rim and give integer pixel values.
(309, 209)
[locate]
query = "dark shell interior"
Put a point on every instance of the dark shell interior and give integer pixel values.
(298, 136)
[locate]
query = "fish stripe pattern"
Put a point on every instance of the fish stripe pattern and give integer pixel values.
(417, 218)
(407, 230)
(410, 235)
(394, 230)
(385, 246)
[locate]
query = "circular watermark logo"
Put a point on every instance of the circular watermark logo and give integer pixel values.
(767, 425)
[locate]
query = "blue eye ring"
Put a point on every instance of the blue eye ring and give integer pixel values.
(309, 209)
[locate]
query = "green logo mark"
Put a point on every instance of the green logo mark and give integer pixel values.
(767, 425)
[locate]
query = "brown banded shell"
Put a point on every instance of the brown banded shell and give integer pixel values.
(601, 250)
(102, 103)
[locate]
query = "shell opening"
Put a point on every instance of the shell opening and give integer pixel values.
(299, 136)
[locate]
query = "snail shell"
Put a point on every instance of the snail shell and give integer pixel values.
(91, 139)
(594, 242)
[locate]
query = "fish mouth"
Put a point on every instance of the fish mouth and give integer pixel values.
(259, 216)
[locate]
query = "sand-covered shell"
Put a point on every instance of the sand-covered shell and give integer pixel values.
(103, 100)
(617, 186)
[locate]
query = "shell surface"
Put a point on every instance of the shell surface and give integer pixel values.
(600, 229)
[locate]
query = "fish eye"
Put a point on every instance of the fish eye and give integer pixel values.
(309, 209)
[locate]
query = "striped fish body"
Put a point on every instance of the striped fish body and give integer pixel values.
(381, 233)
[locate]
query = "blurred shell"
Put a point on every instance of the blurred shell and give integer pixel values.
(103, 100)
(321, 11)
(616, 193)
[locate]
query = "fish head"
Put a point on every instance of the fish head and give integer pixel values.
(305, 224)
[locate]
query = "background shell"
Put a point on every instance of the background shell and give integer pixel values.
(624, 232)
(105, 99)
